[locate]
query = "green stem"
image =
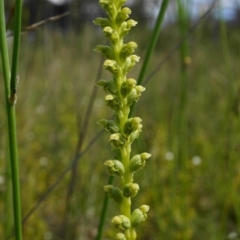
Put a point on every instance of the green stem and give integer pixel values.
(229, 127)
(127, 202)
(8, 202)
(125, 207)
(16, 44)
(11, 108)
(152, 44)
(181, 118)
(4, 49)
(104, 212)
(185, 60)
(153, 40)
(6, 76)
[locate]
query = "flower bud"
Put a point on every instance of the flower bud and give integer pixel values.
(134, 136)
(132, 125)
(114, 37)
(145, 156)
(130, 62)
(140, 89)
(120, 236)
(127, 50)
(114, 167)
(120, 3)
(134, 58)
(136, 123)
(105, 50)
(114, 193)
(108, 86)
(131, 23)
(108, 31)
(139, 215)
(121, 222)
(107, 5)
(131, 190)
(127, 86)
(111, 66)
(138, 161)
(126, 26)
(113, 102)
(109, 125)
(132, 97)
(111, 34)
(135, 94)
(123, 15)
(117, 140)
(103, 22)
(144, 208)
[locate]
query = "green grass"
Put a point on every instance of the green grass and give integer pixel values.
(56, 78)
(10, 78)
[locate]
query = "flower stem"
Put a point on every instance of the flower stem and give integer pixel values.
(122, 92)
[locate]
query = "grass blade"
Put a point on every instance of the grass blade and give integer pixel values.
(104, 212)
(152, 44)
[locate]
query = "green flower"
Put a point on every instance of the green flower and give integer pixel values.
(122, 15)
(138, 161)
(121, 222)
(127, 86)
(114, 193)
(131, 190)
(114, 167)
(103, 22)
(127, 50)
(120, 236)
(139, 215)
(122, 92)
(111, 66)
(109, 125)
(133, 125)
(113, 101)
(108, 86)
(105, 50)
(117, 140)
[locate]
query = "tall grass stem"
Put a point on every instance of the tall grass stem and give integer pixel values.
(180, 141)
(230, 128)
(152, 44)
(16, 44)
(10, 97)
(181, 119)
(8, 201)
(104, 211)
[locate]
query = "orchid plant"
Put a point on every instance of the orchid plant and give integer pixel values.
(121, 93)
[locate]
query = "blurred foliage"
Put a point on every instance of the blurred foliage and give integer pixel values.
(197, 199)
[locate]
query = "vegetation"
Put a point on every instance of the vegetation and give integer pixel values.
(10, 78)
(195, 198)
